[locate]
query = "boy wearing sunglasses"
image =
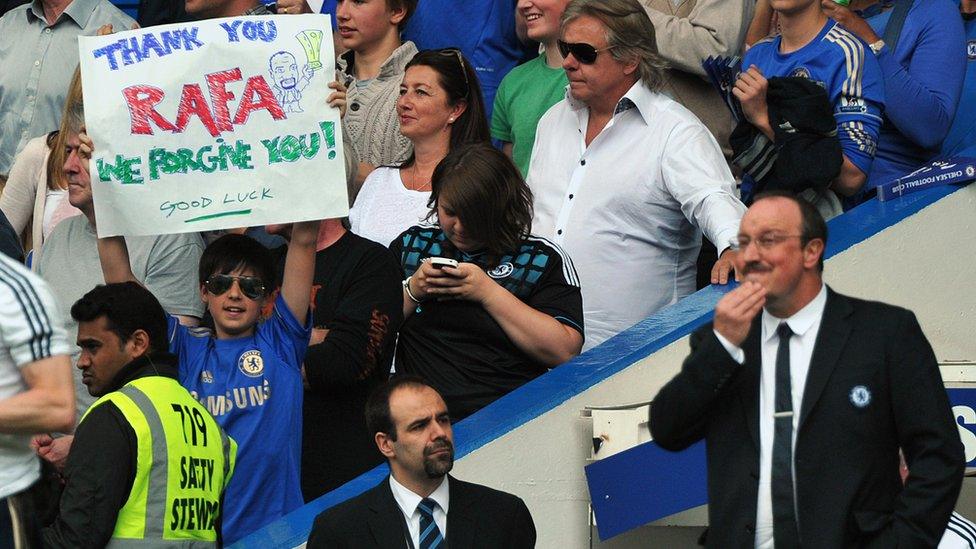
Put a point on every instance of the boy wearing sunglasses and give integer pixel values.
(247, 370)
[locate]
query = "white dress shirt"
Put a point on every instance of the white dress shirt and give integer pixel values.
(630, 208)
(805, 324)
(408, 501)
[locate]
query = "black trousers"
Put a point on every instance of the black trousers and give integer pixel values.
(19, 524)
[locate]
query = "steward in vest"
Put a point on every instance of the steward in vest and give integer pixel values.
(148, 465)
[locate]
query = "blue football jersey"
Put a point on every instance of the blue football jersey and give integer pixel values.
(961, 140)
(253, 387)
(840, 62)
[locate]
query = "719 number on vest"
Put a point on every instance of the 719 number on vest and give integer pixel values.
(194, 419)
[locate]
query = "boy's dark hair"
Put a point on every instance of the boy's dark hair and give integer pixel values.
(236, 251)
(456, 75)
(812, 224)
(127, 307)
(378, 417)
(487, 193)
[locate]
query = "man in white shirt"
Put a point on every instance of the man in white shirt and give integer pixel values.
(419, 506)
(804, 398)
(624, 178)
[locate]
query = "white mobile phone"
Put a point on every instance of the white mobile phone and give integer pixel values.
(441, 262)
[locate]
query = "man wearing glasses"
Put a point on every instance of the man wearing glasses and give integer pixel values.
(624, 178)
(804, 398)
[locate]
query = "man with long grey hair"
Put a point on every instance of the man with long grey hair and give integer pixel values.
(624, 178)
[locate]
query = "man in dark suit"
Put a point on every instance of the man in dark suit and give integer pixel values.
(804, 397)
(420, 506)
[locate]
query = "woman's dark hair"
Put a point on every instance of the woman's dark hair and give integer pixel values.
(487, 193)
(459, 80)
(127, 307)
(236, 251)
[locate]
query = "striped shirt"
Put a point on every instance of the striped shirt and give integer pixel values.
(960, 533)
(31, 330)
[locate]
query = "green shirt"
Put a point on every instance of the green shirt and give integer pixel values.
(525, 94)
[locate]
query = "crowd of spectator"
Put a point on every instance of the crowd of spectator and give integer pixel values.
(526, 179)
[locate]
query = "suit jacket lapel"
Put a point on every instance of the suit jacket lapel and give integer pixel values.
(835, 328)
(386, 520)
(461, 517)
(750, 378)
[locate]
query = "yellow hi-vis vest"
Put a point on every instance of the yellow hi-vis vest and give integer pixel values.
(184, 461)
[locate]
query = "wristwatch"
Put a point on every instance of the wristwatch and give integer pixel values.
(876, 47)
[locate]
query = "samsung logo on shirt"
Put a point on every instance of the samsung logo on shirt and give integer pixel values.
(237, 398)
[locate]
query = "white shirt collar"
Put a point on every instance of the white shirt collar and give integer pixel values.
(642, 98)
(801, 321)
(408, 500)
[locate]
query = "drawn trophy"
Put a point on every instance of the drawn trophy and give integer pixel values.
(311, 41)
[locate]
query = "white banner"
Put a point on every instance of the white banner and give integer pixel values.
(213, 124)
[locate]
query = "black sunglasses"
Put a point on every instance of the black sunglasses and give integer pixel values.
(460, 58)
(583, 52)
(251, 286)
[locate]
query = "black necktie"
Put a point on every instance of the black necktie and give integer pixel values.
(785, 534)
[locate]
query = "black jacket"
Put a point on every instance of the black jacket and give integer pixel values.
(101, 466)
(806, 153)
(848, 488)
(9, 241)
(478, 518)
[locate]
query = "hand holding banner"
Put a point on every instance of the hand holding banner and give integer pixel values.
(213, 124)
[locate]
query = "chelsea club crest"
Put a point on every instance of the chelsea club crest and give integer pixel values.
(860, 396)
(501, 271)
(251, 364)
(801, 72)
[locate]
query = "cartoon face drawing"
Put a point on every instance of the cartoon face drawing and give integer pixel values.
(284, 70)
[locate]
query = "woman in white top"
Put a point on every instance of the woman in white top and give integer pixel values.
(440, 108)
(37, 188)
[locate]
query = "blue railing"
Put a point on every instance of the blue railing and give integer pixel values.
(559, 385)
